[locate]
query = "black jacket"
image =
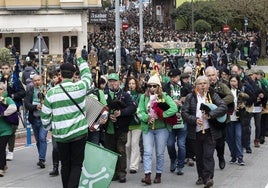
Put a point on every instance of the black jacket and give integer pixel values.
(189, 114)
(126, 105)
(28, 101)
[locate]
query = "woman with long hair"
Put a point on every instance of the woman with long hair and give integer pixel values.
(234, 127)
(134, 133)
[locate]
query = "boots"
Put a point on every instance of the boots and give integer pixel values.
(257, 143)
(157, 178)
(55, 171)
(147, 179)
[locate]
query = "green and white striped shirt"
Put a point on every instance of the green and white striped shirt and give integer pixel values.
(60, 113)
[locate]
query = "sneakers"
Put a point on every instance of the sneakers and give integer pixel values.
(240, 162)
(173, 165)
(41, 163)
(9, 156)
(233, 160)
(179, 171)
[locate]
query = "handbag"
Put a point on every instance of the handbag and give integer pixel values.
(12, 119)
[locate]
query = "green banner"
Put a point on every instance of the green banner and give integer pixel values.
(98, 167)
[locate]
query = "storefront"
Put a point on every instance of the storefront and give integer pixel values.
(59, 31)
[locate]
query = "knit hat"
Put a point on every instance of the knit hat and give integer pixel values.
(250, 72)
(260, 72)
(68, 67)
(113, 76)
(188, 69)
(174, 72)
(154, 80)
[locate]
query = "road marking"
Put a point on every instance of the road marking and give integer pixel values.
(24, 146)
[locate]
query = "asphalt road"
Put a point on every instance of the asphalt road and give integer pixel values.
(24, 173)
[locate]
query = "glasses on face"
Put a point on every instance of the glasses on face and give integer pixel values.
(150, 86)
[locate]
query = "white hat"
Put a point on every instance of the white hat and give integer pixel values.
(27, 59)
(188, 69)
(154, 80)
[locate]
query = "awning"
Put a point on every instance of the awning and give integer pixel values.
(40, 23)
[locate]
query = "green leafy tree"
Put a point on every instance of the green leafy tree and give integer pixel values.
(184, 14)
(202, 26)
(4, 55)
(255, 10)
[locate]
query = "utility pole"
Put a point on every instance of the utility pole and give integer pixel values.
(117, 36)
(141, 25)
(192, 16)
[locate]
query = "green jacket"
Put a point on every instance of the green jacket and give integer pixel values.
(144, 116)
(5, 128)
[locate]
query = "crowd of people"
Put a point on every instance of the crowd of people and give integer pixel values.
(189, 105)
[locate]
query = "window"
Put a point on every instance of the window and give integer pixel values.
(69, 41)
(73, 41)
(65, 42)
(14, 41)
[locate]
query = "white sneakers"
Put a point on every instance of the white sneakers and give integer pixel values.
(9, 156)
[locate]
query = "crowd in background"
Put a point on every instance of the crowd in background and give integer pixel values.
(154, 75)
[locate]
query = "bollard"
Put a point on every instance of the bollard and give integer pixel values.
(28, 131)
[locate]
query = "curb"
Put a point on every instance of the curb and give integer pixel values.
(21, 133)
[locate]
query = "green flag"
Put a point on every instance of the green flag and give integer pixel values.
(98, 167)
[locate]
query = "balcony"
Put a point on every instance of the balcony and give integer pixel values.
(23, 4)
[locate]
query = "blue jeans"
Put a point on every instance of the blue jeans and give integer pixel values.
(178, 135)
(158, 138)
(234, 139)
(40, 135)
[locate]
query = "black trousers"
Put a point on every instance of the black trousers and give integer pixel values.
(190, 153)
(204, 149)
(3, 144)
(220, 145)
(117, 143)
(72, 157)
(55, 152)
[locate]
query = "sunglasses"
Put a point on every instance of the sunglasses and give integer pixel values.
(150, 86)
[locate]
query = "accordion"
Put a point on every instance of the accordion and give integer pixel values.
(95, 111)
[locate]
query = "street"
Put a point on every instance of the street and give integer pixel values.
(23, 172)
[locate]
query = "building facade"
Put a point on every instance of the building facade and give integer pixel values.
(62, 23)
